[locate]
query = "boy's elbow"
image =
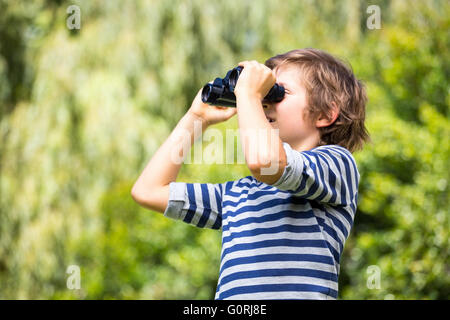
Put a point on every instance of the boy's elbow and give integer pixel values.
(261, 160)
(137, 194)
(141, 194)
(268, 172)
(155, 199)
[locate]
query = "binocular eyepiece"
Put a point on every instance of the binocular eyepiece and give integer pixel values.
(221, 91)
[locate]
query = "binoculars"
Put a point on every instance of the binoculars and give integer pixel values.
(221, 91)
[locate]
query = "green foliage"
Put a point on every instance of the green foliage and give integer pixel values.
(131, 255)
(83, 111)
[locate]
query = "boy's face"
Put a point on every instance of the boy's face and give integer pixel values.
(294, 127)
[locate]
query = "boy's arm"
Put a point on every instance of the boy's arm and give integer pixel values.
(263, 148)
(151, 190)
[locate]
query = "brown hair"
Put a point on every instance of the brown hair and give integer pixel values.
(326, 80)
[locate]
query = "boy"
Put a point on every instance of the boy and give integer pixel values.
(283, 229)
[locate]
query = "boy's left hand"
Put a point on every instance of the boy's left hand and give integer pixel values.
(255, 80)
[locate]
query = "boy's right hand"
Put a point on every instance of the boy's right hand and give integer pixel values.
(210, 114)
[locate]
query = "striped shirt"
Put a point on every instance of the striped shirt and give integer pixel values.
(280, 241)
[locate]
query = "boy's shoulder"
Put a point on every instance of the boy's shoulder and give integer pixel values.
(250, 183)
(335, 151)
(332, 147)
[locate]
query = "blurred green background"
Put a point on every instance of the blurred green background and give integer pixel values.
(82, 112)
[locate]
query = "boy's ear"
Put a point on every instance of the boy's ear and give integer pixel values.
(325, 120)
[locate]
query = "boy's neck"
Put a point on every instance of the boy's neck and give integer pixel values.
(306, 144)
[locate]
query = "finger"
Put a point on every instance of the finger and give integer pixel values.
(242, 63)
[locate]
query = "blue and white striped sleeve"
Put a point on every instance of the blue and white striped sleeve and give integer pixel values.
(199, 204)
(326, 174)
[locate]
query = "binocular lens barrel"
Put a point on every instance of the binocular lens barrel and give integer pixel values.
(206, 92)
(218, 95)
(234, 76)
(221, 91)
